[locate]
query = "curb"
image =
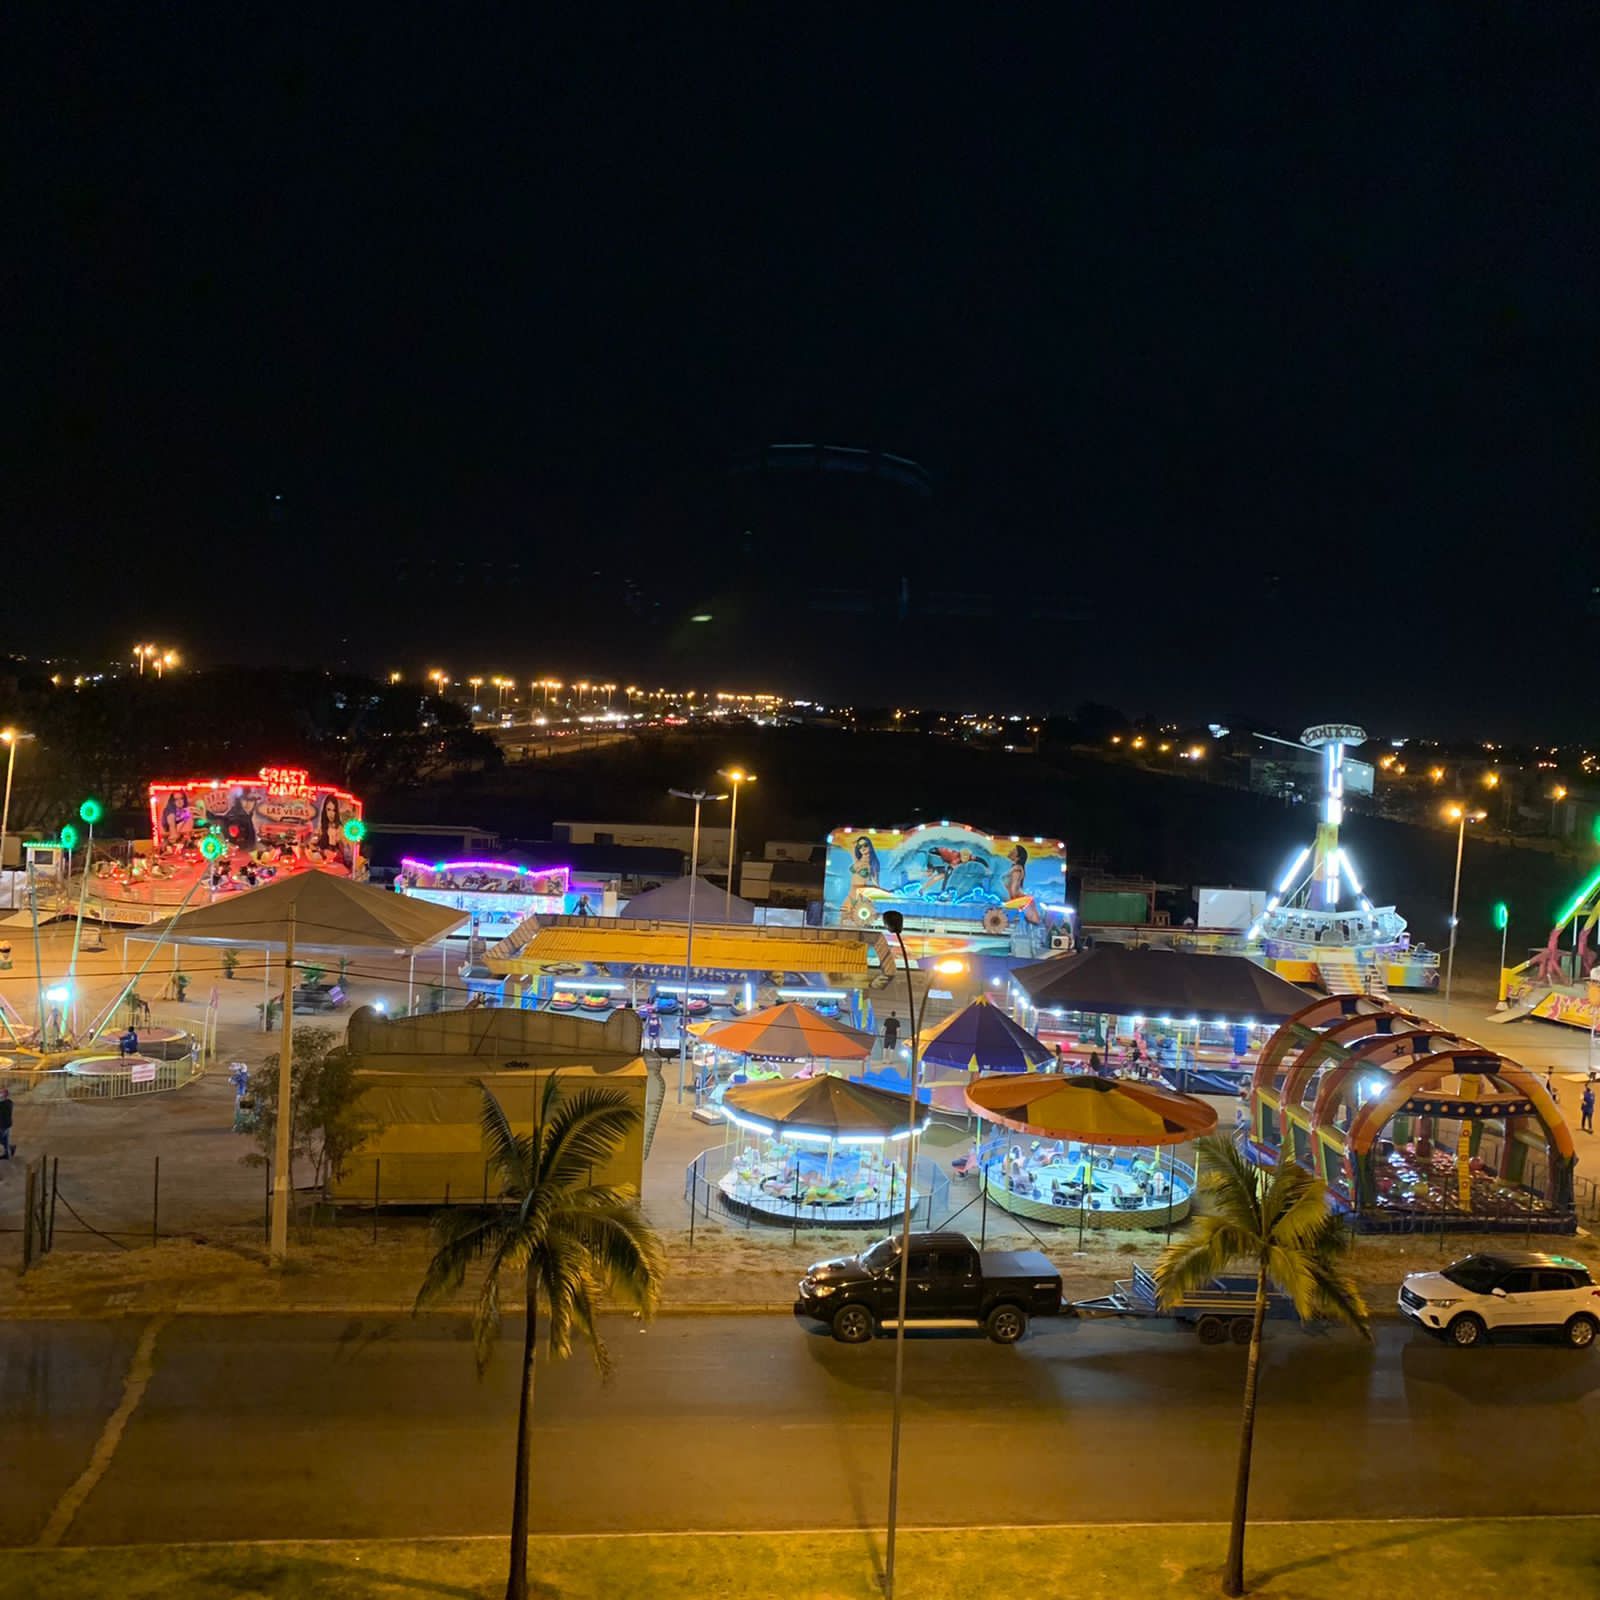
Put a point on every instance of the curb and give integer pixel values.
(372, 1308)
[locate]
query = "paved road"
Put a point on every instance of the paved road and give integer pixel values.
(328, 1426)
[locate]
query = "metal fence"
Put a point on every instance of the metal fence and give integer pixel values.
(702, 1188)
(155, 1077)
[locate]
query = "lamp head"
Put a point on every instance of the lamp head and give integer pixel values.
(894, 922)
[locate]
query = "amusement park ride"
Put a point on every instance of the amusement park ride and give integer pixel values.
(1307, 933)
(1555, 984)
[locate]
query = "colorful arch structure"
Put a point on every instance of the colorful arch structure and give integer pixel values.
(1411, 1124)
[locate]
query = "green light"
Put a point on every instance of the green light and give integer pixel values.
(69, 836)
(91, 811)
(1576, 903)
(212, 846)
(355, 830)
(701, 616)
(1502, 914)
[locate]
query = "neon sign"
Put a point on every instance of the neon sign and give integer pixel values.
(286, 780)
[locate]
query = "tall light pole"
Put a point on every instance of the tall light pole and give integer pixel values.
(167, 658)
(735, 776)
(1557, 795)
(12, 739)
(138, 655)
(1459, 815)
(474, 684)
(1502, 920)
(895, 923)
(699, 796)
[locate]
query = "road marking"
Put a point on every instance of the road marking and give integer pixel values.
(140, 1370)
(825, 1529)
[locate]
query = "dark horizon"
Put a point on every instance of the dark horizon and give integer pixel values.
(1250, 361)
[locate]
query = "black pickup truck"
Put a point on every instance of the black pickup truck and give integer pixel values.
(951, 1285)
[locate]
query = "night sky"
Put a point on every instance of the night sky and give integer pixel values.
(1249, 358)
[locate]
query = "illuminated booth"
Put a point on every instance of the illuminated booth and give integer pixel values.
(1411, 1124)
(498, 896)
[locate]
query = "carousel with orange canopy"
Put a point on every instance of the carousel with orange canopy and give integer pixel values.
(823, 1151)
(760, 1044)
(1090, 1151)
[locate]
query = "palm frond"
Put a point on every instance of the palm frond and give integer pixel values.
(460, 1237)
(575, 1241)
(1229, 1183)
(584, 1320)
(624, 1253)
(582, 1134)
(1295, 1204)
(510, 1256)
(509, 1158)
(1204, 1253)
(563, 1269)
(1338, 1297)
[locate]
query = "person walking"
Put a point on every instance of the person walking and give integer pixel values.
(891, 1033)
(1586, 1105)
(5, 1123)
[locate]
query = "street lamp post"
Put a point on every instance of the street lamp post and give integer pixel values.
(895, 923)
(1459, 815)
(12, 739)
(699, 796)
(735, 776)
(1502, 920)
(1557, 795)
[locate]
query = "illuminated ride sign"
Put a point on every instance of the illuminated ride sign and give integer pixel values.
(279, 806)
(945, 875)
(497, 895)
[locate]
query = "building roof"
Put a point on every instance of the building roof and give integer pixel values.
(624, 940)
(1115, 981)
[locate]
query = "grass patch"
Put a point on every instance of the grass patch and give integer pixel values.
(1318, 1561)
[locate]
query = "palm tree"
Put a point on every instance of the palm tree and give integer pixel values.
(556, 1236)
(1278, 1219)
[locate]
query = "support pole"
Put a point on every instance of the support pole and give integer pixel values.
(896, 927)
(279, 1248)
(38, 955)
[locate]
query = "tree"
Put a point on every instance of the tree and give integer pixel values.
(1279, 1221)
(329, 1125)
(553, 1234)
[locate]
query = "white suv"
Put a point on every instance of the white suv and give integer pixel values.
(1513, 1289)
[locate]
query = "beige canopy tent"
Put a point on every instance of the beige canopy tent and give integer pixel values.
(329, 914)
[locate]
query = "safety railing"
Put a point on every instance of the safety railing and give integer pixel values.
(707, 1196)
(146, 1077)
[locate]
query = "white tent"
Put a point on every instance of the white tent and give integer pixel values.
(329, 914)
(670, 903)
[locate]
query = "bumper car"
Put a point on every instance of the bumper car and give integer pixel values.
(596, 1002)
(563, 1001)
